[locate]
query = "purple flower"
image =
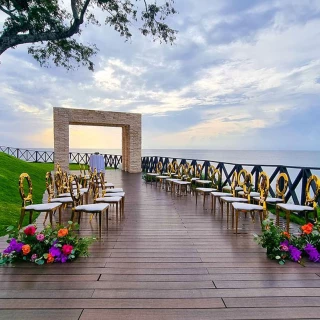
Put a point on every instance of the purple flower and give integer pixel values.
(295, 253)
(55, 252)
(34, 257)
(40, 237)
(13, 246)
(312, 252)
(284, 246)
(62, 258)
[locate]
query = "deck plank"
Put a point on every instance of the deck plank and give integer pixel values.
(166, 259)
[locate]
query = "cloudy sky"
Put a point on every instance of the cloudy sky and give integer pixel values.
(243, 74)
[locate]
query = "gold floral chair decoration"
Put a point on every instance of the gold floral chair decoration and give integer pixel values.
(29, 206)
(245, 184)
(233, 187)
(309, 207)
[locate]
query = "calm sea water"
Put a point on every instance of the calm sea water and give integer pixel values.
(287, 158)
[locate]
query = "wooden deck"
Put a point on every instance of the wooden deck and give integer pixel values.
(168, 259)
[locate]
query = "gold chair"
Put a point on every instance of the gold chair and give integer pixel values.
(246, 175)
(117, 200)
(161, 177)
(281, 190)
(217, 194)
(203, 182)
(78, 208)
(27, 202)
(310, 204)
(236, 187)
(206, 191)
(239, 207)
(51, 199)
(230, 199)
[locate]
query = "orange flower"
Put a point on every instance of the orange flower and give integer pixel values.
(62, 232)
(26, 249)
(307, 228)
(286, 234)
(50, 258)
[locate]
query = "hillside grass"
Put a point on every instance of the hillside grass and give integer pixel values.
(10, 200)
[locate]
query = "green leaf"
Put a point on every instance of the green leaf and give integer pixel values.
(39, 261)
(281, 262)
(70, 222)
(10, 228)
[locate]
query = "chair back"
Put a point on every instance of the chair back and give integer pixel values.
(181, 170)
(234, 182)
(216, 179)
(199, 170)
(159, 167)
(312, 201)
(49, 185)
(242, 177)
(263, 188)
(247, 185)
(174, 168)
(282, 185)
(26, 199)
(74, 188)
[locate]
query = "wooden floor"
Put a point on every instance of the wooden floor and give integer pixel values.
(167, 259)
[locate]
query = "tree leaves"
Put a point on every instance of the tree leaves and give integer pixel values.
(50, 24)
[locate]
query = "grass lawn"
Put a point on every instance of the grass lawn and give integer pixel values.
(10, 200)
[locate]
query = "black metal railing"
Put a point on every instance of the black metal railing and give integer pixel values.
(111, 161)
(298, 176)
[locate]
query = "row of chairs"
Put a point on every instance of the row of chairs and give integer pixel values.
(66, 190)
(239, 193)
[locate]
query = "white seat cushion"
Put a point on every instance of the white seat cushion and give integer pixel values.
(152, 174)
(206, 189)
(294, 207)
(43, 206)
(252, 194)
(109, 199)
(84, 190)
(270, 200)
(95, 207)
(203, 181)
(172, 180)
(109, 185)
(231, 199)
(221, 194)
(246, 206)
(195, 179)
(62, 195)
(62, 200)
(181, 182)
(162, 177)
(114, 190)
(116, 194)
(229, 188)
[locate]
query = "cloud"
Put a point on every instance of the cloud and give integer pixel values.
(239, 73)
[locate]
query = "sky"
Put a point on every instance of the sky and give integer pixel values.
(242, 74)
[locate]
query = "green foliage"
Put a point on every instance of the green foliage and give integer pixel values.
(53, 23)
(282, 246)
(10, 200)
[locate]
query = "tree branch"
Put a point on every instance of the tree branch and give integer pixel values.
(74, 10)
(9, 13)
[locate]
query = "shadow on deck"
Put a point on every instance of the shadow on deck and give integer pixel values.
(167, 259)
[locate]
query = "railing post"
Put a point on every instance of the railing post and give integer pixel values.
(36, 156)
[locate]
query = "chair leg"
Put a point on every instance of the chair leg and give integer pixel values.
(79, 216)
(196, 197)
(60, 211)
(204, 199)
(107, 214)
(22, 214)
(30, 216)
(277, 216)
(117, 209)
(50, 217)
(237, 220)
(100, 214)
(211, 202)
(227, 215)
(288, 220)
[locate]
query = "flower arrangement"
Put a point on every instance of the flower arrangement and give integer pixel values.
(50, 245)
(282, 246)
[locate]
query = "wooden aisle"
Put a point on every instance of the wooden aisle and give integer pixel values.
(168, 259)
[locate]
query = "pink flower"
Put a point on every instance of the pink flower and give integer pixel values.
(67, 249)
(30, 230)
(34, 257)
(40, 237)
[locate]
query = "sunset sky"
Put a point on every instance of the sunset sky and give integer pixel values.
(243, 74)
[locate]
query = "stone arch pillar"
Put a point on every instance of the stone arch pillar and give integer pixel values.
(129, 122)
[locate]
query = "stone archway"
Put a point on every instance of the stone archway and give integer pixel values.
(131, 133)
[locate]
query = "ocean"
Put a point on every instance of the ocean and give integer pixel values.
(286, 158)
